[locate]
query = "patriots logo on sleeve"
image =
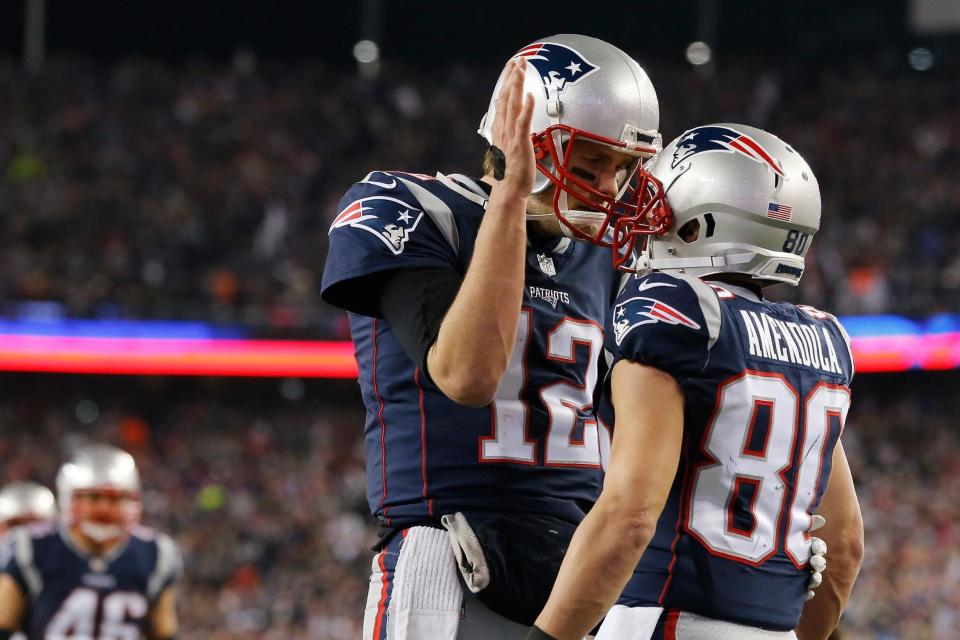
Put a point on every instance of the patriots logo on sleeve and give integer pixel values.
(705, 139)
(558, 65)
(633, 312)
(390, 219)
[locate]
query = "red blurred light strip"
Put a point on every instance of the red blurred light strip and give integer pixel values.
(335, 359)
(904, 352)
(160, 356)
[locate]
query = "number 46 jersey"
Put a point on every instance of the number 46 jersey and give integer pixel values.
(766, 388)
(71, 594)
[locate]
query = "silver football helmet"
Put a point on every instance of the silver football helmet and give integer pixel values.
(99, 467)
(586, 89)
(742, 201)
(26, 501)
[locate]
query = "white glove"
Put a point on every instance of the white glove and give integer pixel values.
(818, 560)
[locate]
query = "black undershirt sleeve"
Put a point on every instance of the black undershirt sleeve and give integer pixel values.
(536, 633)
(414, 302)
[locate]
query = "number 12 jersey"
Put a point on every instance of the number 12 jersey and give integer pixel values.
(536, 447)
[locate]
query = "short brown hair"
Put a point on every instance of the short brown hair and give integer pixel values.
(488, 162)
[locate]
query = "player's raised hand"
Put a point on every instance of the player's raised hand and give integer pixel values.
(511, 132)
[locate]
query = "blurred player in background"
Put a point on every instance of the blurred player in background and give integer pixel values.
(729, 410)
(478, 326)
(24, 503)
(97, 575)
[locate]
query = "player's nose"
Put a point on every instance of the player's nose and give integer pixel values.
(606, 180)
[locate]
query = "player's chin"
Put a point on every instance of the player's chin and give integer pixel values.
(584, 205)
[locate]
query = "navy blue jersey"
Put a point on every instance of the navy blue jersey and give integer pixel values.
(535, 447)
(71, 593)
(766, 388)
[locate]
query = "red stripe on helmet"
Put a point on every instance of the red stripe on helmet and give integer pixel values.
(760, 151)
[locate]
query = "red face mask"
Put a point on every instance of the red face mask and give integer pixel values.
(639, 209)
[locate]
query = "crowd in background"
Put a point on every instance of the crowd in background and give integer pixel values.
(140, 189)
(266, 497)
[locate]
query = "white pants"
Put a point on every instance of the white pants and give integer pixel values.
(416, 593)
(639, 623)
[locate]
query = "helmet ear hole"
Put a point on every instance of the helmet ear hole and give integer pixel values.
(690, 231)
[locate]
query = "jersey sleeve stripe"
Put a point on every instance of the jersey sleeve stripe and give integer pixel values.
(439, 212)
(709, 306)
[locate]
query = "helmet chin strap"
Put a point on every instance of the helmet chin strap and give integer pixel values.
(571, 215)
(562, 206)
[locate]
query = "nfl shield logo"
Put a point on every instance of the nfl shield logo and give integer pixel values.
(546, 264)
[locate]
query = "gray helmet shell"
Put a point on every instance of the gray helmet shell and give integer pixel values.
(756, 200)
(96, 466)
(26, 499)
(603, 91)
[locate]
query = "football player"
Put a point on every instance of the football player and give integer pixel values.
(729, 410)
(98, 575)
(23, 503)
(478, 326)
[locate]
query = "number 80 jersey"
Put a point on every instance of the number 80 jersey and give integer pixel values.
(766, 389)
(74, 595)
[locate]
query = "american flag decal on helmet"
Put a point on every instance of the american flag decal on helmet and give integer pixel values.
(781, 212)
(704, 139)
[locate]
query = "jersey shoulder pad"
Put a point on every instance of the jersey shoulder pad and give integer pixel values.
(38, 533)
(168, 565)
(390, 207)
(387, 221)
(667, 321)
(20, 553)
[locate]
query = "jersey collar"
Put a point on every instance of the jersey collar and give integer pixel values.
(466, 187)
(740, 292)
(478, 192)
(112, 554)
